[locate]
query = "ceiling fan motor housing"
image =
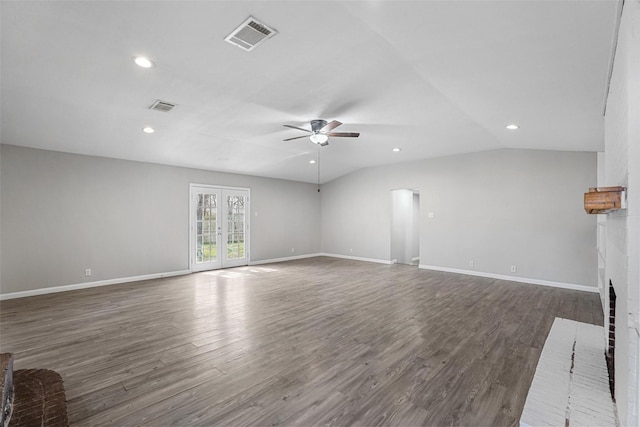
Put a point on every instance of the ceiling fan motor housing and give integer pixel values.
(317, 124)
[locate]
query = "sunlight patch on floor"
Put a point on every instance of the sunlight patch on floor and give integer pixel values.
(238, 272)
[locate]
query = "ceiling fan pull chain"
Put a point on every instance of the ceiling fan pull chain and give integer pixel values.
(318, 168)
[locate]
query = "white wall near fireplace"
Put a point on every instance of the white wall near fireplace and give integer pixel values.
(621, 230)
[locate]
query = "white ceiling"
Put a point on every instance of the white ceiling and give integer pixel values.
(432, 77)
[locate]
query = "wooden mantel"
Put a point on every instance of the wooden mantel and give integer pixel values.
(602, 200)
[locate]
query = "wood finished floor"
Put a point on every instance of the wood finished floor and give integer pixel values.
(318, 341)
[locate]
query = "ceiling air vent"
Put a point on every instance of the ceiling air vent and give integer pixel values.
(163, 106)
(250, 34)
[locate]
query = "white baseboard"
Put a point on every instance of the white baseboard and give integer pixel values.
(64, 288)
(289, 258)
(562, 285)
(357, 258)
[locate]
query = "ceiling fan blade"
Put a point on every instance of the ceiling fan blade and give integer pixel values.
(324, 144)
(330, 126)
(296, 137)
(345, 134)
(295, 127)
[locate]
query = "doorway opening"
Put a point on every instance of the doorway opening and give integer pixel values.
(405, 223)
(219, 227)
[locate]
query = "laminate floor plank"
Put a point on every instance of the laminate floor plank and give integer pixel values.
(318, 341)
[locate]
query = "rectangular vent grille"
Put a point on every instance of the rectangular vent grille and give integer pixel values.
(250, 34)
(163, 106)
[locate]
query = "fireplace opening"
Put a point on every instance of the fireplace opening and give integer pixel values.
(610, 354)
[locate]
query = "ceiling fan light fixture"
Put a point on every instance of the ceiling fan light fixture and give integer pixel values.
(319, 138)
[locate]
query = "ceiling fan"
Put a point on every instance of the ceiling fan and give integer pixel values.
(321, 131)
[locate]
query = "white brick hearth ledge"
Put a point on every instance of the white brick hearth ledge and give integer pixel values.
(571, 383)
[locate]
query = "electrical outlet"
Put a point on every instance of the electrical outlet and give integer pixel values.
(351, 250)
(293, 250)
(87, 272)
(513, 268)
(471, 263)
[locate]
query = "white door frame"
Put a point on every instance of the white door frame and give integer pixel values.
(192, 224)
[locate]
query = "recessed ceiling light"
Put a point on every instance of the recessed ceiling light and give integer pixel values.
(512, 126)
(148, 129)
(312, 162)
(143, 62)
(395, 150)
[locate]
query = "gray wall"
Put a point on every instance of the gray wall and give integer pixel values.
(497, 208)
(62, 213)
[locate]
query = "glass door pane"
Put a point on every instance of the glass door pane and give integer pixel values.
(206, 230)
(235, 228)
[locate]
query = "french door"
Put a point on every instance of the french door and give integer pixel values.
(219, 227)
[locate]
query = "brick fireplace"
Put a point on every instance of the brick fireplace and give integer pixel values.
(611, 344)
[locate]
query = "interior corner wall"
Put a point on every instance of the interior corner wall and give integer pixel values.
(63, 213)
(498, 208)
(622, 168)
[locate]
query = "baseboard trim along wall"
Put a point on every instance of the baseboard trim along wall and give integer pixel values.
(44, 291)
(357, 258)
(64, 288)
(562, 285)
(288, 258)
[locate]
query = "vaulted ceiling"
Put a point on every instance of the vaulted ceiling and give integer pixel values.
(433, 78)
